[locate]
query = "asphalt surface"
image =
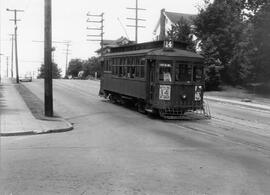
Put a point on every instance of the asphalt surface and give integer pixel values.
(115, 150)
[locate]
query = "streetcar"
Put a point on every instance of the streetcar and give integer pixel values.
(159, 77)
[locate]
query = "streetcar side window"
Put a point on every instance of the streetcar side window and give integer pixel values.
(126, 67)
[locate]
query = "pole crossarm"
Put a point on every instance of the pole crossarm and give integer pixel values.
(136, 19)
(93, 28)
(94, 21)
(136, 26)
(101, 28)
(94, 15)
(133, 8)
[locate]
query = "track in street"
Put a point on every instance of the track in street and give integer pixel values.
(116, 150)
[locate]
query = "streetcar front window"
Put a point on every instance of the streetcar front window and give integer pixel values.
(197, 73)
(165, 72)
(183, 71)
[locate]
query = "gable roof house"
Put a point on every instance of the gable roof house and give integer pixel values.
(166, 20)
(108, 44)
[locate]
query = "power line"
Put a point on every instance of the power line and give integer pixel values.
(136, 19)
(15, 39)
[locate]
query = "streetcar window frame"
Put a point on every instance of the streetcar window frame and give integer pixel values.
(183, 71)
(165, 70)
(130, 67)
(198, 76)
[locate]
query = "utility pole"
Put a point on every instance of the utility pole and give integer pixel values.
(7, 66)
(0, 66)
(15, 34)
(101, 29)
(48, 95)
(136, 19)
(11, 64)
(67, 53)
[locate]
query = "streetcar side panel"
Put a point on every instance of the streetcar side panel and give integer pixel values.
(124, 86)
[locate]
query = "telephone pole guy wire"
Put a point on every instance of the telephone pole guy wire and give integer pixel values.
(15, 39)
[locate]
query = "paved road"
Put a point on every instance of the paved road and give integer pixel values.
(115, 150)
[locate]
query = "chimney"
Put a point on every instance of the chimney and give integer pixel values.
(162, 24)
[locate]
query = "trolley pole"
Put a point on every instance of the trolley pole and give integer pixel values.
(15, 40)
(48, 95)
(136, 19)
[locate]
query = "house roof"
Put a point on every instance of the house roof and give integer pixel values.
(114, 43)
(175, 17)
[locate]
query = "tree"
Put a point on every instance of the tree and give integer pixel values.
(182, 31)
(261, 42)
(74, 67)
(91, 66)
(219, 27)
(56, 72)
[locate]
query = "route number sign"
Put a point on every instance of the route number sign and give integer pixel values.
(164, 92)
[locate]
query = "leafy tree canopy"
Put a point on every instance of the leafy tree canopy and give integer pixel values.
(182, 32)
(56, 72)
(74, 67)
(89, 67)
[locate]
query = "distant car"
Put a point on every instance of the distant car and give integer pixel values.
(25, 79)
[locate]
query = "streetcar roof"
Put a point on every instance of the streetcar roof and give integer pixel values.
(156, 52)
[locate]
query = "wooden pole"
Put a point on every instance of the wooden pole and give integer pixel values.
(48, 60)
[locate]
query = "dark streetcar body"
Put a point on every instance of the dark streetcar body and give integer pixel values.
(158, 77)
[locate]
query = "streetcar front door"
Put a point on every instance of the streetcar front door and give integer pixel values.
(151, 80)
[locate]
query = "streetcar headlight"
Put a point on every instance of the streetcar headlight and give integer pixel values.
(184, 96)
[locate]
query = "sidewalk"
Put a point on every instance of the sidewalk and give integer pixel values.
(238, 102)
(17, 119)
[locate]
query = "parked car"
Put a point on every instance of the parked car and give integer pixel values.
(25, 79)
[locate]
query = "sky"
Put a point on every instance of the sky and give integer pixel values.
(69, 24)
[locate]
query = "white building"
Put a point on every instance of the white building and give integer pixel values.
(166, 20)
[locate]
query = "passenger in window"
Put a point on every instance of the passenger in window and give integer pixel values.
(167, 76)
(197, 74)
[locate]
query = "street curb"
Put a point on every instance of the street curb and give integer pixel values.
(235, 102)
(27, 95)
(38, 132)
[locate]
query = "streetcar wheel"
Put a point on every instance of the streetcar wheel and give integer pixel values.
(112, 99)
(141, 108)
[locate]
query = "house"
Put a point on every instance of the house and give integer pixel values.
(108, 44)
(166, 20)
